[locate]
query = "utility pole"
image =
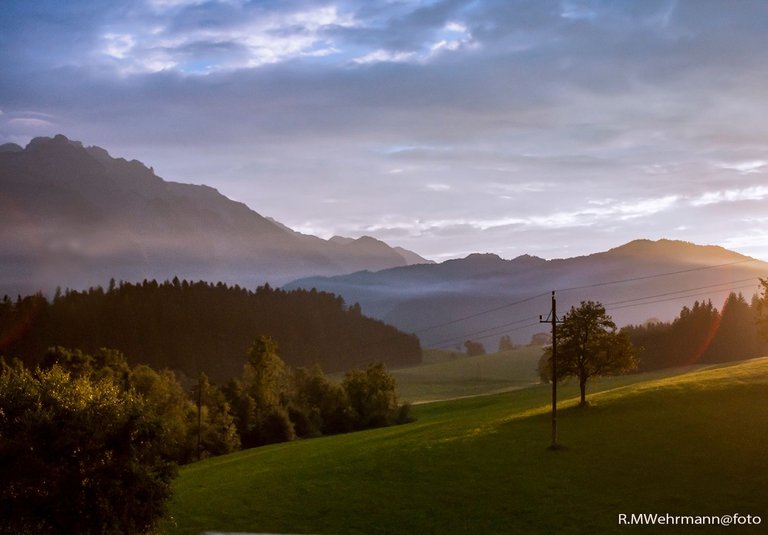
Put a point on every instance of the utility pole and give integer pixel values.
(552, 318)
(199, 412)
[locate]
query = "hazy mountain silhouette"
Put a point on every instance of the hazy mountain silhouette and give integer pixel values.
(416, 298)
(73, 216)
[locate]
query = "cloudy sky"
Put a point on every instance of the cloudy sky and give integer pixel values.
(554, 128)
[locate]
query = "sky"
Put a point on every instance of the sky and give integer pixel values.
(553, 128)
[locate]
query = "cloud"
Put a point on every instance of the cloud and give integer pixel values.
(541, 116)
(29, 123)
(378, 56)
(753, 193)
(746, 167)
(438, 187)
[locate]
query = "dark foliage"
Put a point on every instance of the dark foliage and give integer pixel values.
(371, 394)
(274, 403)
(89, 444)
(201, 327)
(701, 334)
(505, 343)
(588, 346)
(78, 456)
(474, 348)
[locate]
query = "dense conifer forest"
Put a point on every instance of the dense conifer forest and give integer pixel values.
(702, 334)
(196, 327)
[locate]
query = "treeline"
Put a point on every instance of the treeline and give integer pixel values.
(88, 444)
(702, 334)
(201, 327)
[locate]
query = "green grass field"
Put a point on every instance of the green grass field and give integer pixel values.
(460, 376)
(693, 443)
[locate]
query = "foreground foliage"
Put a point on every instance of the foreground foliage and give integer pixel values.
(89, 444)
(78, 455)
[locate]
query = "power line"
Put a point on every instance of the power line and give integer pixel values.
(586, 286)
(656, 275)
(487, 332)
(608, 306)
(482, 313)
(711, 286)
(677, 298)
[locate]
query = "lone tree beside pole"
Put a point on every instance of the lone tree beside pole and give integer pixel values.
(588, 345)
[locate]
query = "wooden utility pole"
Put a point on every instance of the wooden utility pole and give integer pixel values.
(554, 321)
(199, 412)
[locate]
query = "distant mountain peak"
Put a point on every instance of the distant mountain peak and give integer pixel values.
(528, 259)
(371, 244)
(58, 139)
(666, 248)
(341, 240)
(489, 258)
(98, 217)
(11, 147)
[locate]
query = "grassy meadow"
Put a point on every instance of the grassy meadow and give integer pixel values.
(689, 442)
(449, 375)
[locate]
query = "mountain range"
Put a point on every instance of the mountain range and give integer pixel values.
(482, 297)
(74, 216)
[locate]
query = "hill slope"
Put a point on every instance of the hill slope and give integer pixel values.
(73, 216)
(417, 298)
(680, 444)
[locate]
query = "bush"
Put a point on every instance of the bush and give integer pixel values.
(78, 456)
(371, 394)
(275, 426)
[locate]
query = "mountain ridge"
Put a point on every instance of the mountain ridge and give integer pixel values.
(75, 217)
(487, 296)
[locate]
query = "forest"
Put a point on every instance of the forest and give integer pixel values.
(702, 334)
(89, 444)
(201, 327)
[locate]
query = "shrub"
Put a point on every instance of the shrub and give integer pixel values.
(78, 456)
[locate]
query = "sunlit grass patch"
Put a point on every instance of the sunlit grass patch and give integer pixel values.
(691, 443)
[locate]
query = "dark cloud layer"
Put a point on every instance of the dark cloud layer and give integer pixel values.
(558, 127)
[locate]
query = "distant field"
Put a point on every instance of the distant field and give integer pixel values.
(456, 375)
(690, 443)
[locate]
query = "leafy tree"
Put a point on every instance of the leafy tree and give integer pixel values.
(505, 343)
(166, 400)
(540, 339)
(474, 348)
(265, 373)
(371, 394)
(104, 363)
(243, 410)
(217, 433)
(266, 383)
(78, 456)
(588, 345)
(317, 405)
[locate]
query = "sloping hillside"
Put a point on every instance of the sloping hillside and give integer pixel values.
(680, 443)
